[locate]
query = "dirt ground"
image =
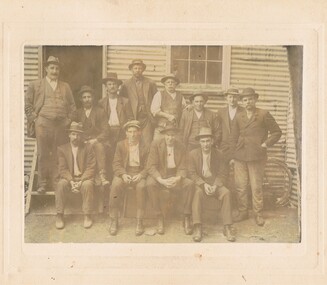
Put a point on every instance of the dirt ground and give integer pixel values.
(282, 226)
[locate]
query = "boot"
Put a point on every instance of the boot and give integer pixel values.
(102, 175)
(87, 221)
(160, 225)
(187, 225)
(242, 215)
(60, 224)
(114, 226)
(228, 233)
(139, 227)
(197, 233)
(260, 221)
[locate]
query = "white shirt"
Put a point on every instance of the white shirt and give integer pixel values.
(206, 165)
(170, 157)
(77, 172)
(134, 155)
(198, 114)
(87, 112)
(232, 112)
(53, 83)
(156, 102)
(113, 120)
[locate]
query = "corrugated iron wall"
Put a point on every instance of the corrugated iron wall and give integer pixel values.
(32, 72)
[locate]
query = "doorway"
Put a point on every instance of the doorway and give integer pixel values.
(81, 65)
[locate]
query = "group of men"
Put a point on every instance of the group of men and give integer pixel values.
(151, 141)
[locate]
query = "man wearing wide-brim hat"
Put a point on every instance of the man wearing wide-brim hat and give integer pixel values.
(76, 164)
(95, 127)
(193, 119)
(130, 171)
(167, 105)
(208, 169)
(49, 105)
(140, 91)
(226, 117)
(167, 172)
(253, 131)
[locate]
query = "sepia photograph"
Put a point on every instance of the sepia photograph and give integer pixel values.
(162, 143)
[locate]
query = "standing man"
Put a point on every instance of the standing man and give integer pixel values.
(249, 143)
(129, 169)
(167, 172)
(167, 105)
(226, 117)
(95, 127)
(49, 105)
(76, 164)
(140, 91)
(207, 169)
(193, 119)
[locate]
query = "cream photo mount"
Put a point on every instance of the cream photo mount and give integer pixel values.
(133, 263)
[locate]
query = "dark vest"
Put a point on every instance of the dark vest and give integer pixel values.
(197, 124)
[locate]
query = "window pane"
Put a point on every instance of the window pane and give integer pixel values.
(197, 72)
(198, 52)
(179, 52)
(215, 53)
(214, 72)
(180, 69)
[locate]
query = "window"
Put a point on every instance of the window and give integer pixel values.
(198, 64)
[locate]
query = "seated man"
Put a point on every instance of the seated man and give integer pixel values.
(76, 166)
(208, 170)
(167, 171)
(129, 170)
(96, 129)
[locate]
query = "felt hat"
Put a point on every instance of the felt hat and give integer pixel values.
(170, 76)
(136, 61)
(76, 127)
(249, 92)
(112, 76)
(198, 93)
(84, 89)
(204, 132)
(132, 123)
(52, 60)
(170, 127)
(232, 91)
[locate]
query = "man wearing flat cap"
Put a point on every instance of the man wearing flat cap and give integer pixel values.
(167, 105)
(95, 128)
(206, 167)
(140, 91)
(76, 165)
(49, 105)
(193, 119)
(129, 169)
(167, 172)
(253, 131)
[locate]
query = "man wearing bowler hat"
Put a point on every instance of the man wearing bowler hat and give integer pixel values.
(167, 172)
(49, 105)
(95, 127)
(193, 119)
(140, 91)
(207, 168)
(129, 169)
(253, 131)
(167, 105)
(76, 164)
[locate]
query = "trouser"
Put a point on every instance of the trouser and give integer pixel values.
(252, 171)
(185, 189)
(63, 187)
(147, 131)
(116, 135)
(117, 193)
(100, 155)
(157, 134)
(223, 197)
(49, 135)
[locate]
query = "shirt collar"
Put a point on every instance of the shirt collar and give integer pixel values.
(50, 80)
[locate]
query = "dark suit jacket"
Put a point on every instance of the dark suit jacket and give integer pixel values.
(99, 120)
(124, 110)
(185, 124)
(226, 127)
(120, 162)
(128, 90)
(34, 100)
(157, 161)
(218, 167)
(248, 135)
(85, 160)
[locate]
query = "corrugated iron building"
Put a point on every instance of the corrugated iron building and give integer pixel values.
(211, 69)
